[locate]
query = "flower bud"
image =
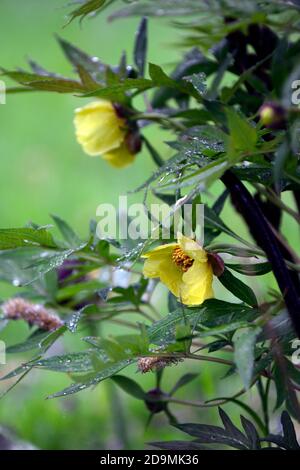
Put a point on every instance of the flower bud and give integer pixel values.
(273, 115)
(121, 111)
(133, 142)
(154, 401)
(217, 264)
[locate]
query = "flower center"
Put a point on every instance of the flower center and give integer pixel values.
(181, 259)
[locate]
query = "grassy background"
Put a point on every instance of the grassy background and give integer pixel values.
(44, 171)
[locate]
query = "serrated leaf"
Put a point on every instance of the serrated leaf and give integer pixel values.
(90, 6)
(79, 58)
(289, 440)
(289, 432)
(232, 430)
(211, 313)
(59, 85)
(161, 79)
(251, 433)
(207, 434)
(140, 47)
(117, 92)
(23, 77)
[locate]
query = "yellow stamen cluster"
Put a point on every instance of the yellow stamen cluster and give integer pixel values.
(181, 259)
(147, 364)
(33, 314)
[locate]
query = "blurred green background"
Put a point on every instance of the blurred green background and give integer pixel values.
(42, 171)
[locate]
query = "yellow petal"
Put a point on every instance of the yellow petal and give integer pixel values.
(162, 249)
(120, 157)
(171, 276)
(159, 264)
(197, 283)
(98, 128)
(191, 248)
(156, 257)
(191, 287)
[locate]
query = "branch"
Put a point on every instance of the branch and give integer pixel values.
(265, 238)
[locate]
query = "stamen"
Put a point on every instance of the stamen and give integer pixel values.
(181, 259)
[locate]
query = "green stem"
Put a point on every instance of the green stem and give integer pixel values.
(204, 404)
(263, 394)
(271, 195)
(160, 118)
(218, 360)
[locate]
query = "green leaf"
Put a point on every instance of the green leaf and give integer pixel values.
(108, 371)
(75, 362)
(222, 329)
(253, 269)
(183, 381)
(251, 433)
(44, 344)
(129, 386)
(238, 288)
(281, 157)
(121, 347)
(24, 77)
(79, 58)
(193, 62)
(244, 345)
(198, 80)
(242, 136)
(160, 78)
(207, 434)
(16, 237)
(88, 7)
(117, 91)
(84, 289)
(289, 432)
(86, 79)
(46, 82)
(153, 153)
(67, 232)
(140, 47)
(59, 85)
(289, 439)
(280, 384)
(213, 221)
(33, 342)
(211, 313)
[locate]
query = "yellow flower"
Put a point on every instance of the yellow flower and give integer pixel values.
(101, 131)
(184, 268)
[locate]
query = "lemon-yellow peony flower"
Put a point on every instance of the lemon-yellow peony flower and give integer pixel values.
(101, 131)
(184, 268)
